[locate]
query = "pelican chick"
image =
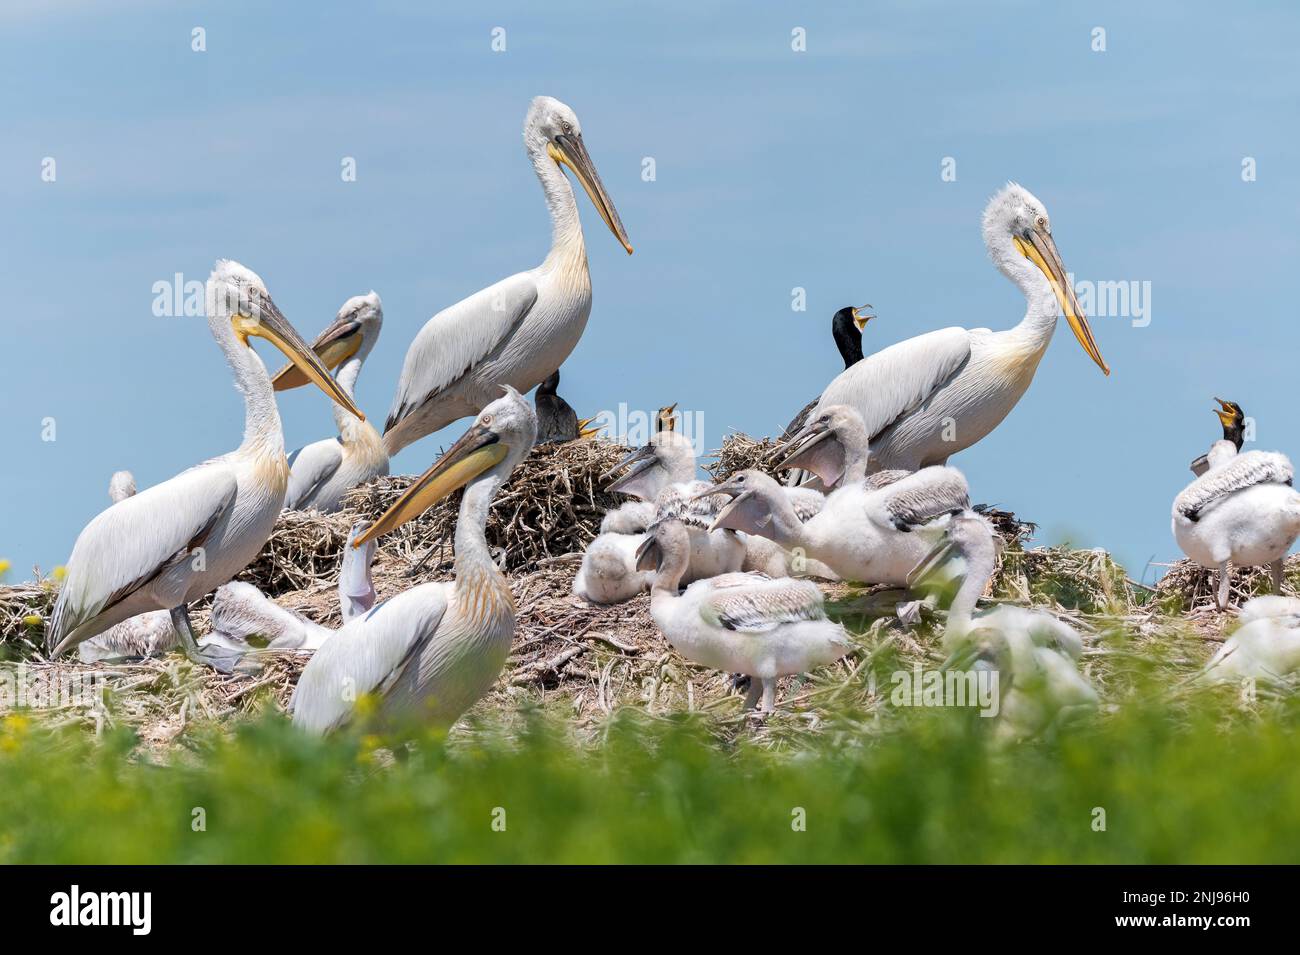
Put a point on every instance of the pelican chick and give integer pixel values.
(847, 326)
(738, 623)
(926, 398)
(519, 330)
(608, 573)
(176, 541)
(1034, 654)
(431, 652)
(668, 458)
(1241, 512)
(860, 533)
(322, 472)
(241, 611)
(556, 419)
(1266, 647)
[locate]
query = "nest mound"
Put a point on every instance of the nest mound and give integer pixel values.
(1187, 587)
(23, 607)
(740, 452)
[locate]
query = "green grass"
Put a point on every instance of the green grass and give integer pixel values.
(1208, 783)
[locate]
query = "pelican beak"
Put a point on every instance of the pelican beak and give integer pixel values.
(265, 320)
(478, 450)
(569, 150)
(647, 554)
(737, 501)
(931, 562)
(861, 316)
(1040, 248)
(586, 431)
(638, 462)
(333, 347)
(803, 441)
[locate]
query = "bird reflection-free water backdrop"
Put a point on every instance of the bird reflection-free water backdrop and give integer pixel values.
(829, 170)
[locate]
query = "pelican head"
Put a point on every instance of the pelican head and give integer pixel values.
(121, 486)
(554, 127)
(967, 536)
(1014, 218)
(668, 456)
(354, 331)
(500, 437)
(667, 546)
(753, 495)
(824, 445)
(238, 295)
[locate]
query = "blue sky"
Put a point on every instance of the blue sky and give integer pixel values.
(775, 169)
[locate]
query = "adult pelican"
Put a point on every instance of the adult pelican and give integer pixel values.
(322, 472)
(173, 542)
(847, 326)
(430, 653)
(521, 329)
(143, 636)
(928, 397)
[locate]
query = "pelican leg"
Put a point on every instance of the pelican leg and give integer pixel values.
(769, 695)
(1276, 569)
(1225, 582)
(221, 659)
(755, 691)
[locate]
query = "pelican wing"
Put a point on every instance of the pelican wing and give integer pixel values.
(459, 338)
(758, 603)
(885, 478)
(135, 540)
(309, 468)
(919, 498)
(888, 384)
(1242, 472)
(366, 656)
(806, 502)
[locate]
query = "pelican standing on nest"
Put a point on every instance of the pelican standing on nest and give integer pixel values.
(926, 398)
(847, 326)
(1241, 512)
(322, 472)
(174, 542)
(430, 653)
(521, 329)
(1034, 653)
(738, 623)
(556, 419)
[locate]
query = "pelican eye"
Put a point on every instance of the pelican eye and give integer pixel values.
(565, 125)
(486, 420)
(1042, 222)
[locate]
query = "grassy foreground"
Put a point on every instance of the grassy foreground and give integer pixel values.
(1190, 788)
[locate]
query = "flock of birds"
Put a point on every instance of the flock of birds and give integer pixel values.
(730, 567)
